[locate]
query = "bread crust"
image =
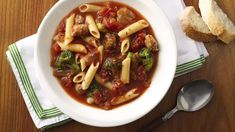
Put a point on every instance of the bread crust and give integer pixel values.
(215, 18)
(194, 34)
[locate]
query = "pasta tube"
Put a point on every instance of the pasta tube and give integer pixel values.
(73, 47)
(83, 64)
(126, 97)
(89, 76)
(133, 28)
(79, 77)
(92, 26)
(68, 29)
(125, 73)
(91, 41)
(89, 8)
(77, 59)
(101, 53)
(125, 45)
(101, 81)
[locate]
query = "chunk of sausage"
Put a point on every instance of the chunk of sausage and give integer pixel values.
(125, 16)
(109, 41)
(80, 30)
(151, 43)
(137, 42)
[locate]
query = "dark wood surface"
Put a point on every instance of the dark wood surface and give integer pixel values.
(20, 18)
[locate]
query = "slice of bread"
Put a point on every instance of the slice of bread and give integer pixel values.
(194, 27)
(217, 21)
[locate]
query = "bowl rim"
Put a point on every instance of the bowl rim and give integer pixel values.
(49, 93)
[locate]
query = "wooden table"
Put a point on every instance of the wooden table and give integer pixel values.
(20, 18)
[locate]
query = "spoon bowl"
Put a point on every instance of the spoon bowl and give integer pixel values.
(195, 95)
(192, 97)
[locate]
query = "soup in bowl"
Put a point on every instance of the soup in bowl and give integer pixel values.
(105, 63)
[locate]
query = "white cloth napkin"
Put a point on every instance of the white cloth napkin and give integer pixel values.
(191, 55)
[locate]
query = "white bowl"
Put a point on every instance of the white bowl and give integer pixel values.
(129, 112)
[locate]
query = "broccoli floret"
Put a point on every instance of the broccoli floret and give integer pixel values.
(65, 57)
(108, 64)
(94, 87)
(75, 67)
(112, 64)
(148, 63)
(144, 53)
(66, 61)
(146, 58)
(130, 55)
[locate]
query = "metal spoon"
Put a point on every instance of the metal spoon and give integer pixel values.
(192, 97)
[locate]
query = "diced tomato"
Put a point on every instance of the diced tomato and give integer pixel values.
(111, 23)
(121, 56)
(67, 81)
(141, 73)
(79, 55)
(108, 17)
(56, 48)
(61, 27)
(106, 12)
(107, 105)
(106, 74)
(97, 97)
(90, 48)
(119, 87)
(106, 94)
(102, 12)
(101, 98)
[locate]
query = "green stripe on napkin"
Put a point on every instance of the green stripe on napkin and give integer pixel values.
(189, 66)
(42, 113)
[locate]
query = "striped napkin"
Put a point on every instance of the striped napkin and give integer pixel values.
(191, 56)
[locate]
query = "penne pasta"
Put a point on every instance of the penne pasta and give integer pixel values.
(92, 26)
(89, 8)
(91, 41)
(125, 73)
(101, 81)
(79, 77)
(125, 45)
(83, 64)
(73, 47)
(133, 28)
(126, 97)
(68, 29)
(77, 59)
(89, 76)
(101, 53)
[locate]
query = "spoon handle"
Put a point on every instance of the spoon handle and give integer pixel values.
(158, 121)
(169, 114)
